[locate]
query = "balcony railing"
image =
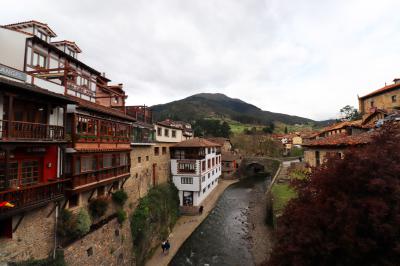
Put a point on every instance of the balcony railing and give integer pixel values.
(30, 131)
(99, 175)
(101, 139)
(31, 196)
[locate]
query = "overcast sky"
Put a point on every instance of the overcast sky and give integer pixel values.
(306, 58)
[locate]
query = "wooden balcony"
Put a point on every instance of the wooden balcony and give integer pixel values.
(30, 197)
(99, 177)
(18, 130)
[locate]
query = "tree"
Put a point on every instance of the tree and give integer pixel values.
(286, 130)
(347, 212)
(349, 113)
(269, 128)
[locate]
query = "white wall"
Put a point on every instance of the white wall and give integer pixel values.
(163, 138)
(12, 48)
(211, 177)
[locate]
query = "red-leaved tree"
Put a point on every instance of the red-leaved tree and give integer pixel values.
(347, 212)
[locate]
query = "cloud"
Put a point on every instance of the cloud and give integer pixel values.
(307, 58)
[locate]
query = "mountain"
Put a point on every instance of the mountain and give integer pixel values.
(220, 106)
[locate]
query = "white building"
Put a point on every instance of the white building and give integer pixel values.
(173, 131)
(196, 168)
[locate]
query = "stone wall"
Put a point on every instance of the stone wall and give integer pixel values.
(310, 155)
(381, 101)
(34, 237)
(109, 245)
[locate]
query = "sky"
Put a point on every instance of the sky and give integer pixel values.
(307, 58)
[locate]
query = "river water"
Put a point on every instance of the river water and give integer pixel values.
(222, 238)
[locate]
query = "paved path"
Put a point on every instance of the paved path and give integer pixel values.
(185, 226)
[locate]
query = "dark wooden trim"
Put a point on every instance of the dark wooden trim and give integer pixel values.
(91, 194)
(19, 222)
(52, 209)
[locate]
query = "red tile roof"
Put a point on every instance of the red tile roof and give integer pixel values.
(339, 140)
(69, 43)
(382, 90)
(196, 142)
(40, 24)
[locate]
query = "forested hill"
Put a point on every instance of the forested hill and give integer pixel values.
(220, 106)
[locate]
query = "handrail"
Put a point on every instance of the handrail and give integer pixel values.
(30, 130)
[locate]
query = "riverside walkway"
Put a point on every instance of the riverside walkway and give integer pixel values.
(185, 226)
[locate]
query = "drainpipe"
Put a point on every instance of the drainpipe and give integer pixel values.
(55, 232)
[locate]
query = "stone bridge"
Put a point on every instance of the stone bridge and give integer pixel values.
(258, 165)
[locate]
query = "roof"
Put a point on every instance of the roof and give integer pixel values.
(71, 58)
(195, 143)
(100, 108)
(382, 90)
(32, 22)
(220, 140)
(340, 140)
(69, 43)
(169, 123)
(36, 89)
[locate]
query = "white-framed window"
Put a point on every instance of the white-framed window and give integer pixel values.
(186, 180)
(39, 60)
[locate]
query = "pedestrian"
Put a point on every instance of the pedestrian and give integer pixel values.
(167, 246)
(163, 246)
(201, 209)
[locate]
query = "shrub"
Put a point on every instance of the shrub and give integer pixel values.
(120, 197)
(121, 216)
(98, 207)
(347, 210)
(83, 223)
(155, 215)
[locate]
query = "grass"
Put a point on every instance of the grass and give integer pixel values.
(281, 194)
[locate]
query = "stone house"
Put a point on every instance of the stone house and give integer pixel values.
(226, 144)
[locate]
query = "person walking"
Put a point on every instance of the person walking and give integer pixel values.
(163, 246)
(167, 246)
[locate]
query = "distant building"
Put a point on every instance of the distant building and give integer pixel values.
(226, 144)
(230, 165)
(196, 168)
(386, 98)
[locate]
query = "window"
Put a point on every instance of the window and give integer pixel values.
(186, 180)
(115, 99)
(123, 159)
(41, 35)
(139, 159)
(156, 151)
(107, 160)
(203, 165)
(39, 60)
(86, 126)
(394, 98)
(203, 178)
(208, 163)
(30, 172)
(208, 175)
(204, 190)
(208, 186)
(174, 133)
(186, 167)
(164, 150)
(147, 158)
(372, 103)
(159, 131)
(166, 132)
(88, 163)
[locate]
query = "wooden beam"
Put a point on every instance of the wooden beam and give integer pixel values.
(52, 209)
(123, 182)
(18, 223)
(91, 194)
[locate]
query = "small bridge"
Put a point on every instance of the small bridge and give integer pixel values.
(258, 165)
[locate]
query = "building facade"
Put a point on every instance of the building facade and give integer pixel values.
(196, 168)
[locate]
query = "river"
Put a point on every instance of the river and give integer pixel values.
(222, 239)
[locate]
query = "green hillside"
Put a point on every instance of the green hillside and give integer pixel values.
(219, 106)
